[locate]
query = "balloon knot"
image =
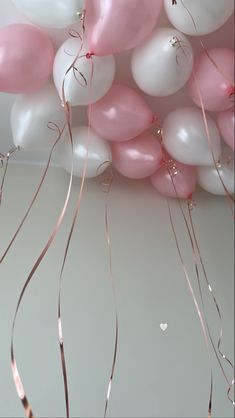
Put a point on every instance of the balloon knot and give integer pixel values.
(231, 91)
(89, 55)
(154, 119)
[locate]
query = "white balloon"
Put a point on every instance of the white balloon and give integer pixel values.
(30, 116)
(198, 17)
(51, 13)
(80, 87)
(99, 152)
(184, 137)
(163, 63)
(210, 181)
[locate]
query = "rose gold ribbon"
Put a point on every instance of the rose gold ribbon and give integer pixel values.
(202, 322)
(106, 183)
(76, 214)
(223, 356)
(16, 376)
(53, 126)
(197, 253)
(5, 158)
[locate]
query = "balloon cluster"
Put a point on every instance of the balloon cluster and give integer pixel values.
(121, 123)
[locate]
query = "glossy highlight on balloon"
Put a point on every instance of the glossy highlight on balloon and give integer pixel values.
(26, 58)
(185, 138)
(214, 76)
(174, 179)
(78, 89)
(139, 157)
(196, 17)
(163, 63)
(88, 148)
(121, 114)
(118, 25)
(51, 13)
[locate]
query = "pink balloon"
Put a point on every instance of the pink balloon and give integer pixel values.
(26, 58)
(174, 179)
(216, 84)
(121, 115)
(226, 122)
(117, 25)
(138, 158)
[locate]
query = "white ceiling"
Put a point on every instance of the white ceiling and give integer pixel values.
(161, 106)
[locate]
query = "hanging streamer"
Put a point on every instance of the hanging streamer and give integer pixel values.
(5, 158)
(106, 185)
(202, 322)
(197, 253)
(75, 217)
(52, 126)
(16, 376)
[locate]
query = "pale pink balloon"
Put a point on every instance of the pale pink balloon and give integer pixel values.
(26, 58)
(121, 114)
(214, 79)
(117, 25)
(226, 123)
(174, 179)
(139, 157)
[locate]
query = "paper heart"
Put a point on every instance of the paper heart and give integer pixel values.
(163, 327)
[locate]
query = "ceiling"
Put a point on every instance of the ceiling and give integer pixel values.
(161, 106)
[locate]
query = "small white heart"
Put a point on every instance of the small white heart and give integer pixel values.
(163, 327)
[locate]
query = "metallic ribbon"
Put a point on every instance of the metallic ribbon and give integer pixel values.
(106, 187)
(53, 126)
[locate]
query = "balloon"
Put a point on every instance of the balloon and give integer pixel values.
(81, 87)
(184, 137)
(209, 180)
(198, 17)
(99, 152)
(50, 13)
(174, 179)
(32, 116)
(121, 115)
(163, 63)
(214, 79)
(26, 58)
(226, 123)
(138, 158)
(117, 25)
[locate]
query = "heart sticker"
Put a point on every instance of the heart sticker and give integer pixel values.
(163, 327)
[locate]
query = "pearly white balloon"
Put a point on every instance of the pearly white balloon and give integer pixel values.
(210, 181)
(98, 155)
(30, 116)
(89, 79)
(51, 13)
(185, 138)
(198, 17)
(163, 63)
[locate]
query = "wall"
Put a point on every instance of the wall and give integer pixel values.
(158, 374)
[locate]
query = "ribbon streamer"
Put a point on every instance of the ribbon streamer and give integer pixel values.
(107, 182)
(202, 322)
(194, 242)
(5, 158)
(51, 125)
(76, 214)
(16, 377)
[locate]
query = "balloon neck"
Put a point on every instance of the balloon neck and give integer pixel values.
(154, 119)
(89, 55)
(231, 91)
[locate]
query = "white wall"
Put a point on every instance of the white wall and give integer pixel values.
(157, 374)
